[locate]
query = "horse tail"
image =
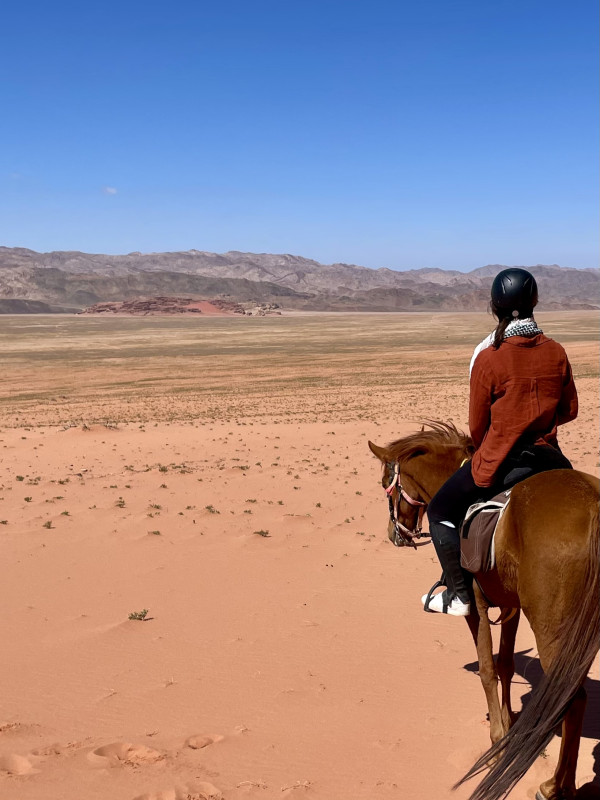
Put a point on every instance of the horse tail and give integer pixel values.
(577, 643)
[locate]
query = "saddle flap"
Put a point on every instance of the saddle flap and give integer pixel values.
(477, 533)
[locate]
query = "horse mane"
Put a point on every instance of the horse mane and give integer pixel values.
(434, 438)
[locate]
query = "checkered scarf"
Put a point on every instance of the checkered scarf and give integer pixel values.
(522, 327)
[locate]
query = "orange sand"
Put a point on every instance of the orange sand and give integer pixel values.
(284, 652)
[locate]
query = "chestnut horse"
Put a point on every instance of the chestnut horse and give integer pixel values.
(547, 564)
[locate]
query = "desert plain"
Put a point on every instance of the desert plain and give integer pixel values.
(199, 596)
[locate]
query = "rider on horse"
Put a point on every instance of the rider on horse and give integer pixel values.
(521, 389)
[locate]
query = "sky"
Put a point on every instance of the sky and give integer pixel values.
(430, 133)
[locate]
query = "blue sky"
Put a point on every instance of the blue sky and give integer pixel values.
(429, 133)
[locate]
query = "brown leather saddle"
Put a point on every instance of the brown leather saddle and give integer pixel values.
(477, 533)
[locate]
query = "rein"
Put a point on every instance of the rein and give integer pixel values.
(403, 535)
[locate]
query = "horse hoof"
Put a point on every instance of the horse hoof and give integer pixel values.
(540, 796)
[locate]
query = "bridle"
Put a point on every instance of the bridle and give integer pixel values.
(403, 535)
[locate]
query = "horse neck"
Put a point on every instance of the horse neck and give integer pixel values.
(433, 469)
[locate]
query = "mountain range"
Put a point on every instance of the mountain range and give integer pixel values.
(32, 282)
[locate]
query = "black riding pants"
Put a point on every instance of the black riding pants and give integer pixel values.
(445, 512)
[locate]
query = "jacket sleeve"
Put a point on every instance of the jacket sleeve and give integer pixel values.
(480, 402)
(568, 405)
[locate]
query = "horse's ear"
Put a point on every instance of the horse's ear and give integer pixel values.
(380, 452)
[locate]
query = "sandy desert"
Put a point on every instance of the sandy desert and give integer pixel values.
(199, 596)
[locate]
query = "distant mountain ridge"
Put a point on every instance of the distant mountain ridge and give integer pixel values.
(71, 280)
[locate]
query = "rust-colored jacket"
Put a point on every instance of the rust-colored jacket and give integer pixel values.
(521, 391)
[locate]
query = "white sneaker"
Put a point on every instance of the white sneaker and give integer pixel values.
(455, 608)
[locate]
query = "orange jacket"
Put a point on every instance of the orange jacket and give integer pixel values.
(520, 393)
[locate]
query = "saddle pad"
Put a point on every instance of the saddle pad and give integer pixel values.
(477, 533)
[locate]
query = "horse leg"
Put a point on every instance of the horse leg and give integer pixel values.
(473, 623)
(506, 667)
(487, 668)
(561, 786)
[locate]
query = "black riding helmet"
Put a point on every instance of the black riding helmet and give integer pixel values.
(514, 289)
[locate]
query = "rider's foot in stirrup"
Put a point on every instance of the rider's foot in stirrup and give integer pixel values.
(439, 602)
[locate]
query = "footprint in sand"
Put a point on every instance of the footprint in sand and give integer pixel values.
(122, 753)
(199, 741)
(15, 764)
(195, 791)
(55, 749)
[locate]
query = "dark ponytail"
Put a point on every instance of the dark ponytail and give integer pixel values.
(504, 317)
(499, 332)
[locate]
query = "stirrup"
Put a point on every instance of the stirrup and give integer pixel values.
(441, 582)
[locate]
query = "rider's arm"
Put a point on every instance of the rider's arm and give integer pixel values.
(568, 404)
(480, 401)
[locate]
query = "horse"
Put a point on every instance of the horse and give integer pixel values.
(547, 564)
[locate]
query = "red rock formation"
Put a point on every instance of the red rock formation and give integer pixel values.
(167, 305)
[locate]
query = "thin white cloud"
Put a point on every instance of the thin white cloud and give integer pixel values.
(109, 190)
